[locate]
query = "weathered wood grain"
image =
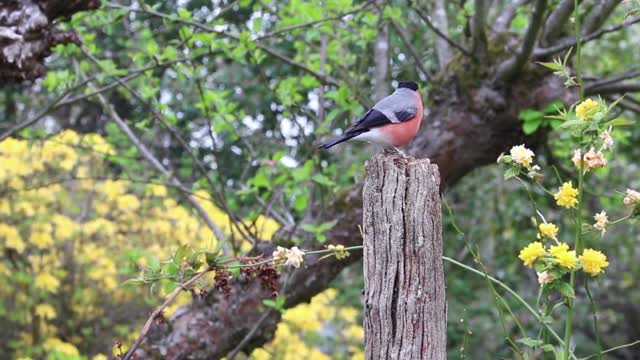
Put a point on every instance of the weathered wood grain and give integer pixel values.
(405, 306)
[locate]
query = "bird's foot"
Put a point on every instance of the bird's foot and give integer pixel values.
(392, 150)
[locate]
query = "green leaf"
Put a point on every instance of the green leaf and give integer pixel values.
(547, 348)
(551, 65)
(563, 288)
(322, 180)
(269, 303)
(235, 270)
(179, 255)
(184, 14)
(171, 269)
(530, 127)
(326, 225)
(260, 180)
(170, 286)
(540, 266)
(619, 122)
(571, 123)
(301, 201)
(530, 342)
(511, 172)
(553, 107)
(528, 115)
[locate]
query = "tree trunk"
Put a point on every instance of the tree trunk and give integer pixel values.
(405, 313)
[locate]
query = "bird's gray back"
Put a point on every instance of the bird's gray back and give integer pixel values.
(399, 106)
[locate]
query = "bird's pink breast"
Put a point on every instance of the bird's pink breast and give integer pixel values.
(402, 133)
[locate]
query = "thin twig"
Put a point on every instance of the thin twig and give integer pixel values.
(637, 342)
(508, 14)
(508, 69)
(567, 43)
(439, 33)
(411, 49)
(161, 308)
(262, 319)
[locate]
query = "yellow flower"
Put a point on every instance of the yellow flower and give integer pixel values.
(532, 252)
(100, 357)
(57, 345)
(549, 230)
(522, 155)
(566, 195)
(566, 259)
(157, 190)
(64, 226)
(583, 109)
(46, 311)
(47, 282)
(593, 261)
(11, 237)
(355, 332)
(557, 249)
(41, 239)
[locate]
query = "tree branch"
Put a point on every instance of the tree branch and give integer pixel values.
(571, 41)
(503, 21)
(443, 48)
(613, 79)
(478, 34)
(411, 49)
(615, 88)
(510, 67)
(381, 57)
(599, 15)
(440, 34)
(556, 22)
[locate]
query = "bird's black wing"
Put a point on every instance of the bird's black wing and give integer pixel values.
(373, 118)
(404, 115)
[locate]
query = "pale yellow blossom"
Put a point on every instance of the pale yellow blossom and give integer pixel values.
(521, 155)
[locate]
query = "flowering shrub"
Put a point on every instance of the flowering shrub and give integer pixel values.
(554, 260)
(71, 235)
(307, 328)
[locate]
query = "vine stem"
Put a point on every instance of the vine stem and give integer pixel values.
(569, 323)
(594, 310)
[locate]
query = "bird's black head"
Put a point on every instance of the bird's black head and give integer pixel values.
(409, 85)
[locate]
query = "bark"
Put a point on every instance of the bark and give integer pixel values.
(405, 313)
(27, 33)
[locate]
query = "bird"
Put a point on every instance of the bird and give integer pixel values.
(391, 122)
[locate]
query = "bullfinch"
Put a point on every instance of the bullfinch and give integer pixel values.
(393, 121)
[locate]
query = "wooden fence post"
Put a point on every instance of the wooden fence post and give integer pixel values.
(405, 314)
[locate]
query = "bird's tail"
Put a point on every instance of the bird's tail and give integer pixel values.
(339, 139)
